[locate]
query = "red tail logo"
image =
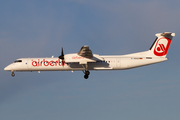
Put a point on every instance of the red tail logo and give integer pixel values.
(162, 46)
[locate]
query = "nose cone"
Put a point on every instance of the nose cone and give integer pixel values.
(8, 68)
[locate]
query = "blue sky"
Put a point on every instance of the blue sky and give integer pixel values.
(41, 28)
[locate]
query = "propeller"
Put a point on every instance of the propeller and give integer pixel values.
(62, 55)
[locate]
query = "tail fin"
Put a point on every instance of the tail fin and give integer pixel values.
(161, 44)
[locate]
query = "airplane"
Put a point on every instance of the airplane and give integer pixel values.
(85, 60)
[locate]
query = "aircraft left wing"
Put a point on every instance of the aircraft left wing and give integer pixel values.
(85, 52)
(84, 56)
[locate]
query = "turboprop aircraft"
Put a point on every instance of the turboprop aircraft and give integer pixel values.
(85, 60)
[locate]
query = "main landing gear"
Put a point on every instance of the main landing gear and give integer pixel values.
(86, 74)
(12, 74)
(86, 71)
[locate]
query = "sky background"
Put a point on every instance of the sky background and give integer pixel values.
(31, 28)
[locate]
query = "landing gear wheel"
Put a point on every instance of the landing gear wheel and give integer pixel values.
(86, 76)
(12, 74)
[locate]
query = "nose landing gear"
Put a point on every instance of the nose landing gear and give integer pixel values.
(12, 74)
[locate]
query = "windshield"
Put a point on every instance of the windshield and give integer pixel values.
(17, 61)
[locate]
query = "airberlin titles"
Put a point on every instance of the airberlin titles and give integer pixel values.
(45, 62)
(58, 62)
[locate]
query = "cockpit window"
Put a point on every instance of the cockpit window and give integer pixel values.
(17, 61)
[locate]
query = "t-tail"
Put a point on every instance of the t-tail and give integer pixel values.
(157, 53)
(161, 44)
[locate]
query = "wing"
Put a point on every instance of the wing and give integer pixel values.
(85, 52)
(83, 56)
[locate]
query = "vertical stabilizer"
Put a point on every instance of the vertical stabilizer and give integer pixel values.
(161, 45)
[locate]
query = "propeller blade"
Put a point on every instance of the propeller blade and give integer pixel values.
(62, 55)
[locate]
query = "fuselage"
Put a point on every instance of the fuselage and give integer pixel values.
(56, 64)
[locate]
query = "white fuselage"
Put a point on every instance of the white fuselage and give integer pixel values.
(56, 64)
